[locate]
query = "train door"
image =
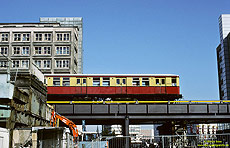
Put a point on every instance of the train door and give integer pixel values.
(161, 86)
(121, 85)
(84, 86)
(81, 86)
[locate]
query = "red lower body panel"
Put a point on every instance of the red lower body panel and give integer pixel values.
(71, 90)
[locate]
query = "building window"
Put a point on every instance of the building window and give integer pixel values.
(59, 37)
(46, 64)
(15, 64)
(38, 50)
(106, 82)
(63, 36)
(3, 64)
(4, 50)
(25, 50)
(65, 63)
(25, 63)
(38, 63)
(96, 81)
(58, 63)
(5, 37)
(173, 81)
(66, 36)
(145, 81)
(16, 51)
(17, 37)
(66, 82)
(136, 82)
(26, 37)
(47, 50)
(47, 36)
(65, 50)
(60, 50)
(62, 63)
(20, 64)
(38, 37)
(220, 59)
(56, 81)
(21, 50)
(221, 81)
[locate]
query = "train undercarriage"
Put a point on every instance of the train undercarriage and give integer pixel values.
(114, 97)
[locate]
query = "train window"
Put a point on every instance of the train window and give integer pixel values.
(78, 81)
(162, 81)
(136, 82)
(106, 82)
(145, 81)
(56, 81)
(157, 81)
(96, 81)
(118, 81)
(173, 81)
(123, 81)
(84, 81)
(66, 82)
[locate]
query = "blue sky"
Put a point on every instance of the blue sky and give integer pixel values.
(141, 36)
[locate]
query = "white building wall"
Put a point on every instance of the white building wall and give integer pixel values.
(133, 129)
(4, 138)
(205, 129)
(224, 25)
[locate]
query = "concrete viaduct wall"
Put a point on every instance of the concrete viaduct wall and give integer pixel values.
(145, 113)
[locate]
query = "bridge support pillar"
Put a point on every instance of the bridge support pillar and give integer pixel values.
(125, 131)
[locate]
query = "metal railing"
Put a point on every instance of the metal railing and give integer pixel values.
(141, 102)
(165, 141)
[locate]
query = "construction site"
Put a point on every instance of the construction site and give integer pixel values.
(25, 117)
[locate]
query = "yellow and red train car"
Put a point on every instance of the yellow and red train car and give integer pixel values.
(114, 86)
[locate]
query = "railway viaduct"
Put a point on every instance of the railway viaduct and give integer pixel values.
(155, 112)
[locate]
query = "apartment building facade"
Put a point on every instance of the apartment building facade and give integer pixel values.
(54, 45)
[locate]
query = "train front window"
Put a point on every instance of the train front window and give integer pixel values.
(145, 81)
(56, 81)
(66, 82)
(106, 82)
(96, 81)
(136, 82)
(173, 81)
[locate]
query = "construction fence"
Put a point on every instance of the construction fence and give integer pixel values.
(166, 141)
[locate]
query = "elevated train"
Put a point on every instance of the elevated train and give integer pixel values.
(112, 86)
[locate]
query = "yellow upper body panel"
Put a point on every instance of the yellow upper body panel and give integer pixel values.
(113, 81)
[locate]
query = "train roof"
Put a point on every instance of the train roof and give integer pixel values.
(117, 75)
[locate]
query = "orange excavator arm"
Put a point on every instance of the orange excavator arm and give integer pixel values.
(69, 123)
